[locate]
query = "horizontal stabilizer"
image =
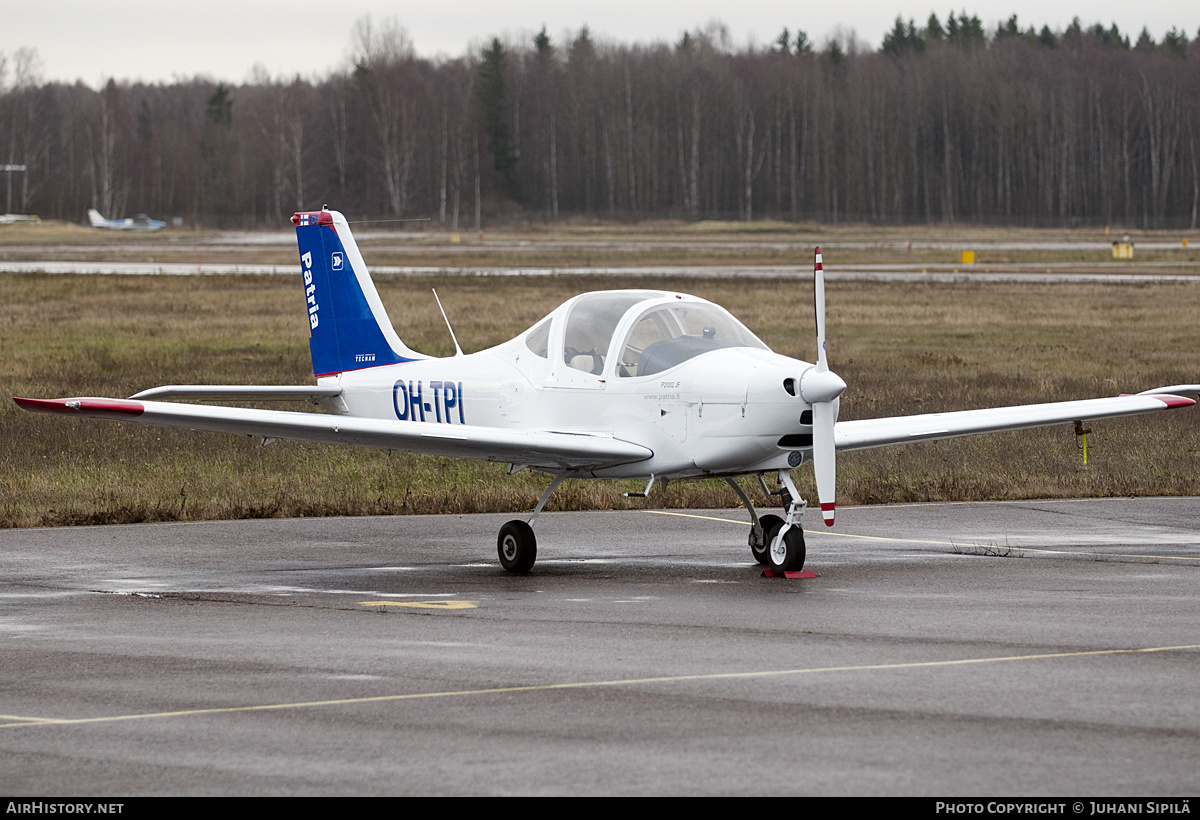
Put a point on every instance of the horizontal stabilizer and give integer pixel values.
(241, 392)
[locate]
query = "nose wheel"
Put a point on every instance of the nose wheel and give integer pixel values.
(786, 551)
(776, 542)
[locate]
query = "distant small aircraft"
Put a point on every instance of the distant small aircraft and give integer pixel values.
(9, 219)
(141, 222)
(645, 384)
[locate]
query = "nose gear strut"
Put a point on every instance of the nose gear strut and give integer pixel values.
(785, 552)
(777, 542)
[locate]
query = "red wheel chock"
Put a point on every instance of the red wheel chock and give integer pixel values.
(790, 574)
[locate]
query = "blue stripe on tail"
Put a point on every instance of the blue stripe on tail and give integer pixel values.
(348, 328)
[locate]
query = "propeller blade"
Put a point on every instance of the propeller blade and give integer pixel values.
(822, 389)
(824, 458)
(819, 298)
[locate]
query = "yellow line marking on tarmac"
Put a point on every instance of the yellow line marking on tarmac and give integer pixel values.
(966, 545)
(1033, 502)
(550, 687)
(705, 517)
(424, 604)
(959, 544)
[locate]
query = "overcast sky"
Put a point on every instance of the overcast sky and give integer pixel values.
(156, 41)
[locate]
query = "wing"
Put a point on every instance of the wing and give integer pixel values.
(858, 435)
(552, 450)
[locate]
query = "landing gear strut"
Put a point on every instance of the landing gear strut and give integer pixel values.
(786, 551)
(760, 526)
(516, 544)
(774, 541)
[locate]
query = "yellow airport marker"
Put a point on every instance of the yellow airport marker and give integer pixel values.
(1081, 434)
(425, 604)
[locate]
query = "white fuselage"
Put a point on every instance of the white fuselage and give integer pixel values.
(722, 412)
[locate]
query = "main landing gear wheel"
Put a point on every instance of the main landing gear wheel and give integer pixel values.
(786, 552)
(758, 548)
(517, 547)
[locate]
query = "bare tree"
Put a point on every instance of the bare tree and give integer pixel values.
(386, 69)
(110, 180)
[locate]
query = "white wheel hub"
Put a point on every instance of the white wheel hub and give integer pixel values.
(778, 550)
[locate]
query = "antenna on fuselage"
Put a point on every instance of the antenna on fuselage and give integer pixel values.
(457, 349)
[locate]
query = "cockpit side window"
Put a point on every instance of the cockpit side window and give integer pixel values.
(538, 339)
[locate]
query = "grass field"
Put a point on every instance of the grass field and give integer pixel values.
(902, 348)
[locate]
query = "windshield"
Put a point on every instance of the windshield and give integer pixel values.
(668, 335)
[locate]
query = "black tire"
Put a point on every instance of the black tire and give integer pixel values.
(790, 555)
(517, 547)
(768, 524)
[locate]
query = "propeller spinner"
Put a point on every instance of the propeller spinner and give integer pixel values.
(821, 387)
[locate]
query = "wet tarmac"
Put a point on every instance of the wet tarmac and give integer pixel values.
(1016, 648)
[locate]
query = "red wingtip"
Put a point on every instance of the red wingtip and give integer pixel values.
(1174, 401)
(96, 408)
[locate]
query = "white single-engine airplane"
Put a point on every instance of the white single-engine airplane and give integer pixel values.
(141, 222)
(626, 384)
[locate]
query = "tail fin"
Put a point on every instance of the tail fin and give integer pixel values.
(349, 329)
(95, 218)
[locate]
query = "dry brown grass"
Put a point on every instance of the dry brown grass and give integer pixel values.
(902, 348)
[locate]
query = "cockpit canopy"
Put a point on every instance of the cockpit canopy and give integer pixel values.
(646, 331)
